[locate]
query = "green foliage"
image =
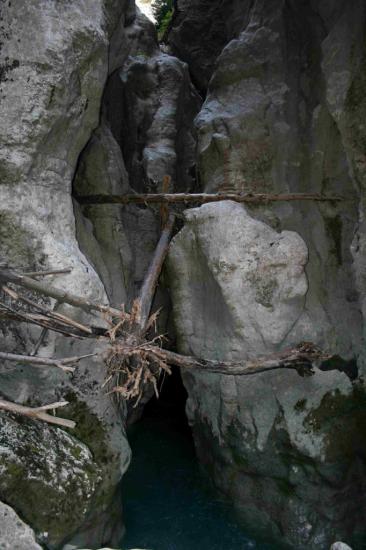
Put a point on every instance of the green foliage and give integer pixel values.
(163, 11)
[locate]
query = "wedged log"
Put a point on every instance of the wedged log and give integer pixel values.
(201, 198)
(143, 302)
(62, 296)
(39, 413)
(301, 358)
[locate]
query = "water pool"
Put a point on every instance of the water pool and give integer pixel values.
(168, 504)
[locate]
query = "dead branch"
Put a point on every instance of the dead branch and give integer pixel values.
(44, 361)
(48, 312)
(301, 358)
(201, 198)
(142, 304)
(39, 320)
(42, 336)
(164, 209)
(38, 413)
(7, 276)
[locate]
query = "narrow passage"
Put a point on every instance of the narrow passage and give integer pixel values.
(168, 503)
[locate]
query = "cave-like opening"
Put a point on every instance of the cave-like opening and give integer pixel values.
(168, 502)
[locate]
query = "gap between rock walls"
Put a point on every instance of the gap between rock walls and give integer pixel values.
(240, 282)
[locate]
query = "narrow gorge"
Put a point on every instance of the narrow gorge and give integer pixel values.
(235, 97)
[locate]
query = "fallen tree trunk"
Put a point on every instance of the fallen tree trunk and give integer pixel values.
(39, 413)
(201, 198)
(301, 358)
(145, 298)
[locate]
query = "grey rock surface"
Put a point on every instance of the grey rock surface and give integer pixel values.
(340, 546)
(283, 113)
(14, 533)
(276, 444)
(54, 65)
(88, 104)
(36, 458)
(200, 30)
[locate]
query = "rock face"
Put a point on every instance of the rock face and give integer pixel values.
(54, 68)
(283, 112)
(90, 104)
(14, 533)
(59, 469)
(256, 275)
(285, 449)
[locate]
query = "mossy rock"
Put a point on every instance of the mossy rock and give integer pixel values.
(47, 475)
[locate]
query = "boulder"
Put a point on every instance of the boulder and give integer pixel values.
(37, 459)
(340, 546)
(286, 450)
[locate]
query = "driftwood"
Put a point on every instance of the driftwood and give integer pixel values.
(202, 198)
(39, 413)
(144, 300)
(45, 362)
(132, 361)
(301, 358)
(49, 313)
(35, 319)
(63, 297)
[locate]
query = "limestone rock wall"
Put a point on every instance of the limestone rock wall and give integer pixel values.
(89, 104)
(283, 112)
(54, 65)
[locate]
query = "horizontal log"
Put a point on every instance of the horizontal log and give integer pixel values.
(301, 358)
(201, 198)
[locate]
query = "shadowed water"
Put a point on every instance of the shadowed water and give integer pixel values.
(168, 504)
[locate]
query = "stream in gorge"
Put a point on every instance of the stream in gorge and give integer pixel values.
(168, 503)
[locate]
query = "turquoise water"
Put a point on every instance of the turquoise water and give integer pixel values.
(168, 505)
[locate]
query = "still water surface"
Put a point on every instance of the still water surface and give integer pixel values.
(168, 504)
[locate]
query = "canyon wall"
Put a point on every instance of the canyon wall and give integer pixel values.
(283, 113)
(89, 104)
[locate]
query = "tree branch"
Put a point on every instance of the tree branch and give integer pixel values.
(142, 304)
(301, 358)
(49, 313)
(201, 198)
(50, 272)
(7, 276)
(44, 361)
(39, 412)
